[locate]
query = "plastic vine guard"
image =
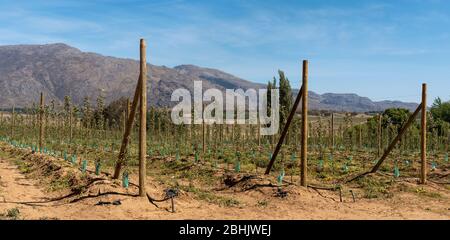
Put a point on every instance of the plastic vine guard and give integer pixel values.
(125, 179)
(280, 177)
(84, 166)
(97, 168)
(396, 172)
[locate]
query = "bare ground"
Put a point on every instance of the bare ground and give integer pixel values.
(30, 195)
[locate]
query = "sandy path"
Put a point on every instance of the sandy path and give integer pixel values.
(14, 186)
(303, 204)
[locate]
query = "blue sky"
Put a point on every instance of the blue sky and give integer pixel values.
(379, 49)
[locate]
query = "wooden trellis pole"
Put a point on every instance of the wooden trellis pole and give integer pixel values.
(332, 132)
(360, 136)
(13, 113)
(41, 122)
(259, 132)
(289, 119)
(203, 132)
(379, 135)
(70, 123)
(423, 135)
(304, 142)
(143, 120)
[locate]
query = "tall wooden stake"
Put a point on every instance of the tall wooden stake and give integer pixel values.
(332, 132)
(128, 108)
(13, 121)
(259, 133)
(143, 121)
(360, 136)
(379, 135)
(70, 123)
(41, 122)
(124, 123)
(203, 133)
(304, 142)
(423, 137)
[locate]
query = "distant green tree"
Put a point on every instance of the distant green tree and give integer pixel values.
(86, 112)
(99, 111)
(285, 97)
(66, 107)
(440, 117)
(441, 110)
(113, 113)
(270, 86)
(395, 117)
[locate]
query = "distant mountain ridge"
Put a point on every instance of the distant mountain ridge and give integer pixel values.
(59, 70)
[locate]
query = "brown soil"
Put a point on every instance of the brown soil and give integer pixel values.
(257, 197)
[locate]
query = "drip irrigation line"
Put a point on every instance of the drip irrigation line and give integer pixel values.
(152, 200)
(320, 194)
(102, 194)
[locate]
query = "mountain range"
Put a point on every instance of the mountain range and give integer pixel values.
(59, 70)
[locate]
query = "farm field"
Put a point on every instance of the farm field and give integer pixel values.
(71, 177)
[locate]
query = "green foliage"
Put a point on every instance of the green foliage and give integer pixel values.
(113, 113)
(67, 105)
(11, 214)
(285, 97)
(374, 188)
(86, 112)
(440, 117)
(395, 116)
(441, 110)
(98, 115)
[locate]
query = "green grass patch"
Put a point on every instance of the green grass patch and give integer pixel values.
(210, 197)
(375, 188)
(10, 214)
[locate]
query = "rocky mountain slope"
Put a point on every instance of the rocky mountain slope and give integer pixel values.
(59, 70)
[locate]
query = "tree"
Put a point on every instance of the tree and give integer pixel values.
(395, 116)
(440, 117)
(441, 110)
(99, 111)
(285, 97)
(270, 86)
(86, 112)
(114, 111)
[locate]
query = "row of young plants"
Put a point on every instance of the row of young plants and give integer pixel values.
(93, 136)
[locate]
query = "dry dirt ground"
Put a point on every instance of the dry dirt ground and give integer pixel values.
(30, 195)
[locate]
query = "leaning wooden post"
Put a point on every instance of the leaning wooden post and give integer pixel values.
(285, 130)
(304, 142)
(143, 122)
(397, 138)
(126, 135)
(423, 137)
(41, 122)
